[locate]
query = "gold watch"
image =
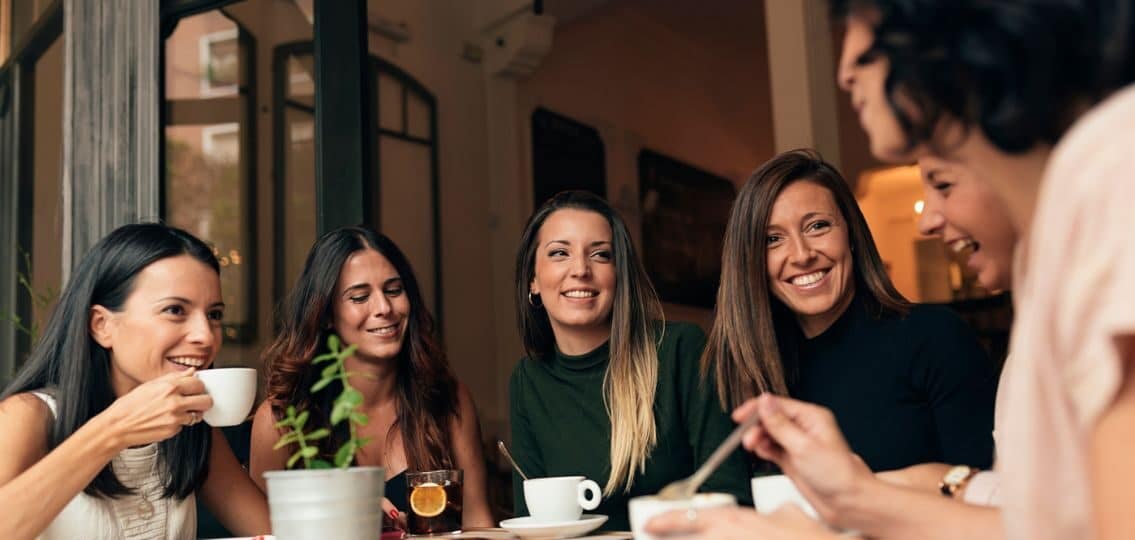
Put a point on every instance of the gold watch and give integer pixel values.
(955, 479)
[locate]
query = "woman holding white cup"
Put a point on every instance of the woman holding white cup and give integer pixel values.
(103, 421)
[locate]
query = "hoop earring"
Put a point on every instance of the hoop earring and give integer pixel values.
(532, 303)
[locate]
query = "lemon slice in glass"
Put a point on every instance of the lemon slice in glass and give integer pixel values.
(428, 499)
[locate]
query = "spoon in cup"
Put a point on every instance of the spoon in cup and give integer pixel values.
(686, 487)
(504, 450)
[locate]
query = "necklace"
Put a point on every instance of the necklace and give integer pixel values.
(145, 513)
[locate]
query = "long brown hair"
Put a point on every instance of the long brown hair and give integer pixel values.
(426, 389)
(751, 326)
(632, 374)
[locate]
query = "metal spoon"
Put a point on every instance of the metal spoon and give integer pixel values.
(686, 487)
(508, 456)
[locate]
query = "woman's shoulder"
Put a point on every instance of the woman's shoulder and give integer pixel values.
(25, 419)
(933, 319)
(34, 406)
(675, 331)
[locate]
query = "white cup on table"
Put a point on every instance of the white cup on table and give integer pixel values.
(560, 498)
(646, 507)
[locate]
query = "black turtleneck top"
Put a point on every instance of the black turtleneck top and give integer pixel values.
(905, 389)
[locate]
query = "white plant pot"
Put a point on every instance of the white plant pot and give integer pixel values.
(326, 503)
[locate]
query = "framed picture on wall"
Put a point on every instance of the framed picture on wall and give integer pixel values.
(566, 154)
(684, 214)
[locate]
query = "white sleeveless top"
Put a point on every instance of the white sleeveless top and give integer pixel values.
(141, 515)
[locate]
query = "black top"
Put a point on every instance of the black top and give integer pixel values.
(905, 390)
(395, 490)
(560, 426)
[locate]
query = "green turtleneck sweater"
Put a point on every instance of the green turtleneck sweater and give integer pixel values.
(560, 426)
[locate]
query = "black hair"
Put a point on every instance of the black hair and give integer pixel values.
(1021, 71)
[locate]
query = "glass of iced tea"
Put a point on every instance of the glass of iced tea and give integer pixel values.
(435, 502)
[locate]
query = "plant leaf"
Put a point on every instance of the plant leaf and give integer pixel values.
(291, 411)
(301, 420)
(353, 398)
(323, 358)
(359, 418)
(320, 384)
(319, 464)
(284, 423)
(333, 343)
(292, 460)
(287, 439)
(339, 412)
(345, 454)
(329, 371)
(318, 434)
(309, 451)
(345, 353)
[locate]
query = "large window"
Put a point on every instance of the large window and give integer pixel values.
(402, 195)
(208, 183)
(31, 125)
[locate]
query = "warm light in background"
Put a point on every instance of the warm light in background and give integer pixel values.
(918, 206)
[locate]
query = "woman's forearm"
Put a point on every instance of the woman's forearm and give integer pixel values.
(883, 510)
(35, 497)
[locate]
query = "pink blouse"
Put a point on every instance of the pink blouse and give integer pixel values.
(1074, 295)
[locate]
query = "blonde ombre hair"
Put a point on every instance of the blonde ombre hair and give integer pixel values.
(630, 384)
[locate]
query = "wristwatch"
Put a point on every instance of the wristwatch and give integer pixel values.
(955, 479)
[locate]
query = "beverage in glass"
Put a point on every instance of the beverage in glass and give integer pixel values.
(435, 502)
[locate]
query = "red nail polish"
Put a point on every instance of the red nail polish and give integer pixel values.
(393, 514)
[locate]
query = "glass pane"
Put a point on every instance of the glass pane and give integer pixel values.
(301, 80)
(389, 103)
(203, 58)
(407, 214)
(5, 29)
(46, 253)
(299, 192)
(24, 14)
(418, 115)
(206, 194)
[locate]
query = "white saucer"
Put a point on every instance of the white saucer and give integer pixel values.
(528, 527)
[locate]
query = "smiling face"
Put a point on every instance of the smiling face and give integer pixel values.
(970, 218)
(864, 78)
(370, 307)
(170, 321)
(809, 255)
(575, 273)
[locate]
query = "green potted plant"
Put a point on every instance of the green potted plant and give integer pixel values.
(326, 499)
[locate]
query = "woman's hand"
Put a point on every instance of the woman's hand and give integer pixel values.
(391, 517)
(804, 440)
(157, 410)
(726, 523)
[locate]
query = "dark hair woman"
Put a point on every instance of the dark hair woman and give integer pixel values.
(1036, 98)
(806, 309)
(358, 285)
(607, 390)
(102, 423)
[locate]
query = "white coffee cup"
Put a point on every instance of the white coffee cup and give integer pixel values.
(646, 507)
(772, 492)
(560, 498)
(233, 390)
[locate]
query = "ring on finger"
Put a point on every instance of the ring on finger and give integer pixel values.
(194, 417)
(691, 515)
